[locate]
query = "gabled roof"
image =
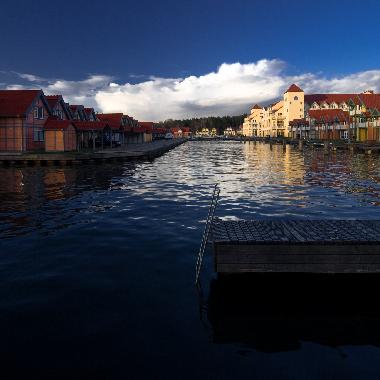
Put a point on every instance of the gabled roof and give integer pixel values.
(328, 115)
(54, 99)
(53, 123)
(114, 120)
(256, 107)
(293, 88)
(89, 112)
(330, 98)
(298, 122)
(369, 100)
(16, 103)
(147, 126)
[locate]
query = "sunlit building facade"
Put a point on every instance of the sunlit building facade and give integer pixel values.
(317, 116)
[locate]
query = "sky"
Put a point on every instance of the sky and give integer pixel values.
(176, 59)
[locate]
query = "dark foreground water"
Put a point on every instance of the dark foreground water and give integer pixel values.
(97, 269)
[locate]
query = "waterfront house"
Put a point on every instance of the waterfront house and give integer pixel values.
(58, 107)
(176, 131)
(253, 121)
(148, 130)
(23, 114)
(90, 114)
(77, 112)
(60, 135)
(93, 134)
(329, 124)
(186, 132)
(158, 133)
(290, 116)
(118, 127)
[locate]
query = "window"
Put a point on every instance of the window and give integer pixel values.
(38, 134)
(59, 114)
(38, 112)
(296, 98)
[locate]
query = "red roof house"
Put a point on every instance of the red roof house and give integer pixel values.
(23, 114)
(58, 107)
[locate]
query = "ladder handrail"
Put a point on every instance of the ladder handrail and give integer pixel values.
(206, 231)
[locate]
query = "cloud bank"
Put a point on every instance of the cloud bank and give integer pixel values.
(230, 90)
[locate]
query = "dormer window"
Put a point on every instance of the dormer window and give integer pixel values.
(38, 112)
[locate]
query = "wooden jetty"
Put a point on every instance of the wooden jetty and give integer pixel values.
(306, 246)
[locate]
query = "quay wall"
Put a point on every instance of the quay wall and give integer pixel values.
(130, 153)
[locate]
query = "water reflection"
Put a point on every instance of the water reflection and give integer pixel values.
(271, 313)
(34, 197)
(257, 181)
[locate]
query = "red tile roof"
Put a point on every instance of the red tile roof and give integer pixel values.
(114, 120)
(328, 115)
(53, 100)
(89, 125)
(370, 100)
(256, 107)
(293, 88)
(55, 124)
(147, 125)
(14, 103)
(298, 122)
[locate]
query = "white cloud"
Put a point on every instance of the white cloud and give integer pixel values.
(30, 77)
(230, 90)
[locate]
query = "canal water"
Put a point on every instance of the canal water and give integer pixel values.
(97, 269)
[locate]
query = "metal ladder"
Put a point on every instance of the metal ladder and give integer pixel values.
(206, 232)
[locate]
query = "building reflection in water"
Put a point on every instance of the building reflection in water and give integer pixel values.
(272, 312)
(26, 193)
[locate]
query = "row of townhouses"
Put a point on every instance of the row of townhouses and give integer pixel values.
(33, 121)
(317, 116)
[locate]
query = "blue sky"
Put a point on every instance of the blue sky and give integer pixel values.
(129, 42)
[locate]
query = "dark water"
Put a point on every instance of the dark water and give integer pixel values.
(97, 269)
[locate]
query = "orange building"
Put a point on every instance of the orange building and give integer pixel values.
(60, 136)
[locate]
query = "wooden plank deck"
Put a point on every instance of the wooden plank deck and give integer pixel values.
(308, 246)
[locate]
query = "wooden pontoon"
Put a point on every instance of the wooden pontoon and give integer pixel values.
(307, 246)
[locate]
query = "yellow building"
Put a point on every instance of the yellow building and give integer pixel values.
(273, 120)
(294, 106)
(253, 121)
(357, 116)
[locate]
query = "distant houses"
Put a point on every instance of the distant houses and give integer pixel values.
(317, 116)
(31, 121)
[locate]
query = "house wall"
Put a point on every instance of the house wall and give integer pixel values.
(294, 108)
(58, 107)
(32, 125)
(11, 136)
(70, 138)
(147, 137)
(54, 141)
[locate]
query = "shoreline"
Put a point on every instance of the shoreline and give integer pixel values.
(327, 145)
(131, 152)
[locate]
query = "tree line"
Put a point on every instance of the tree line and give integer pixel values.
(220, 123)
